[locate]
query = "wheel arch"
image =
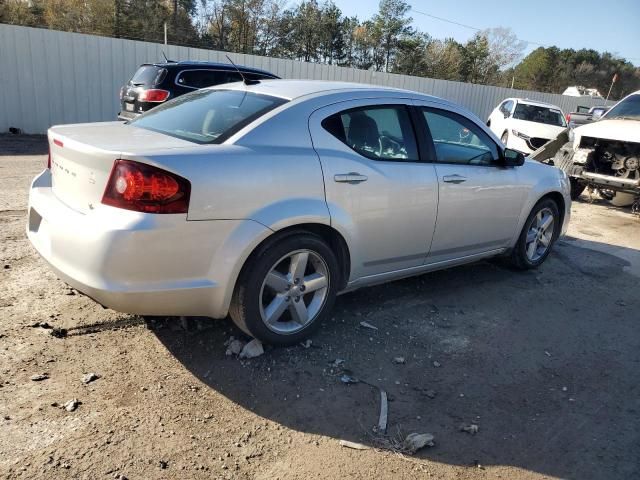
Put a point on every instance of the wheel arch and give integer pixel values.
(327, 233)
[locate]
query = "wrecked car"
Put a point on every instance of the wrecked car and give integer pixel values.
(604, 155)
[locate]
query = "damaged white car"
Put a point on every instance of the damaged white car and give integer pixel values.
(605, 155)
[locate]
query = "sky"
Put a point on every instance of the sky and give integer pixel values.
(564, 23)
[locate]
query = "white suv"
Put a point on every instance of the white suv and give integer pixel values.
(526, 125)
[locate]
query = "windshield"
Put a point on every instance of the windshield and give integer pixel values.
(207, 116)
(629, 108)
(535, 113)
(148, 75)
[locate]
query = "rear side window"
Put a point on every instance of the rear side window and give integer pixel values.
(207, 116)
(148, 75)
(376, 132)
(206, 78)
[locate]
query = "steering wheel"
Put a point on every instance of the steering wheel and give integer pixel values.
(385, 139)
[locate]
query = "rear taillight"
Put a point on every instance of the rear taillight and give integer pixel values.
(144, 188)
(153, 95)
(568, 117)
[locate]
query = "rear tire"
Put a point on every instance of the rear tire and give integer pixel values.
(286, 289)
(537, 237)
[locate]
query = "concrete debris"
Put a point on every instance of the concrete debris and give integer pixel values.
(71, 405)
(416, 441)
(368, 325)
(90, 377)
(306, 343)
(399, 360)
(234, 348)
(437, 364)
(252, 349)
(431, 393)
(39, 377)
(353, 445)
(471, 428)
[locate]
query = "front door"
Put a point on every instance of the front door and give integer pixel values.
(479, 201)
(379, 193)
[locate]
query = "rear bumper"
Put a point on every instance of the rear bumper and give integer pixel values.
(139, 263)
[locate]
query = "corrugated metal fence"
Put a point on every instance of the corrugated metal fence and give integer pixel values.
(49, 77)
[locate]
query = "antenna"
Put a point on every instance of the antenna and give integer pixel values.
(244, 79)
(166, 59)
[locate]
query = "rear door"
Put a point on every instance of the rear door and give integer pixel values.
(379, 192)
(479, 201)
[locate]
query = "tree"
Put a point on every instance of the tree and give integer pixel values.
(476, 65)
(390, 26)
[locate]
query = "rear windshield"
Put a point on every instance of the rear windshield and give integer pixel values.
(627, 109)
(148, 75)
(534, 113)
(207, 116)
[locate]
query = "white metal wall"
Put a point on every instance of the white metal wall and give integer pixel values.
(49, 77)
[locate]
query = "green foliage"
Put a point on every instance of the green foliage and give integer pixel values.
(317, 31)
(552, 70)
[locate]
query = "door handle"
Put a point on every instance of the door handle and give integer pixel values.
(351, 177)
(454, 179)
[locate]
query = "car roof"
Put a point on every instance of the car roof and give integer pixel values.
(536, 103)
(293, 89)
(202, 64)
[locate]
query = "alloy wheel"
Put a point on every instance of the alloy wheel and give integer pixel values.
(294, 291)
(540, 234)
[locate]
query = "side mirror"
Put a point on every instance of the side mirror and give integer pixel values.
(512, 158)
(506, 114)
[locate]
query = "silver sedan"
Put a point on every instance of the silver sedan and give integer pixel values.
(265, 201)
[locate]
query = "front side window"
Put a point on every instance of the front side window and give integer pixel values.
(376, 132)
(627, 109)
(458, 140)
(207, 116)
(538, 114)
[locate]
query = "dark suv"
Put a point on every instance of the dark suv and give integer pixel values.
(155, 83)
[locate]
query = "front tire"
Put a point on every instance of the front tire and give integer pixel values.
(576, 188)
(286, 289)
(538, 235)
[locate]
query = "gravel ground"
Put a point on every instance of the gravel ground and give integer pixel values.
(546, 364)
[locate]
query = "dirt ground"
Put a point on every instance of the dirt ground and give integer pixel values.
(546, 363)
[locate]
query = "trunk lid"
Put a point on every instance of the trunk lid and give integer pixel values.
(82, 157)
